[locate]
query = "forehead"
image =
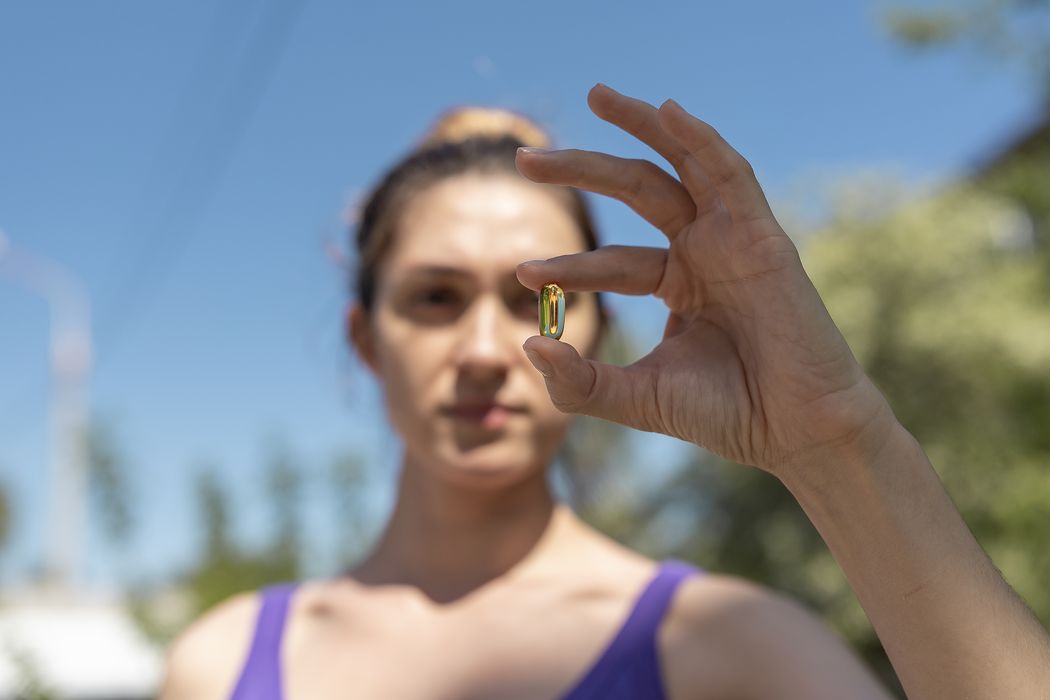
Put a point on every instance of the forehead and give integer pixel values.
(483, 224)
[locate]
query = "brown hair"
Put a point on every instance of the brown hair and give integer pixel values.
(462, 140)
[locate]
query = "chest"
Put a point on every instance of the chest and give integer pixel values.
(536, 650)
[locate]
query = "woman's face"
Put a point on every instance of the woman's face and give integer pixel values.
(449, 320)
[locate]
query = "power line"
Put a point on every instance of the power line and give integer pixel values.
(162, 237)
(159, 238)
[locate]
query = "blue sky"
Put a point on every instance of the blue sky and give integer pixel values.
(191, 163)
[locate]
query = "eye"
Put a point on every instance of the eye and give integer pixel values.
(435, 296)
(530, 303)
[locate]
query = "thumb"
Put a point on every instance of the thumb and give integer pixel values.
(576, 384)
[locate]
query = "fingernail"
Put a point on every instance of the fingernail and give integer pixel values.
(531, 149)
(539, 363)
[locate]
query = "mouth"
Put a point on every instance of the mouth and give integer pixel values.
(486, 415)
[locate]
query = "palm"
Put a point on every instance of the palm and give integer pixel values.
(751, 365)
(735, 362)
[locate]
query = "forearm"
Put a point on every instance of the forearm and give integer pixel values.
(949, 623)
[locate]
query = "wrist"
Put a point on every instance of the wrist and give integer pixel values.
(881, 439)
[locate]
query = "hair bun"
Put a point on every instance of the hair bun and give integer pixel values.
(461, 123)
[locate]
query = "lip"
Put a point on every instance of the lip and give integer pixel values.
(488, 415)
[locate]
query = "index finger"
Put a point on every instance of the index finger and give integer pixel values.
(622, 269)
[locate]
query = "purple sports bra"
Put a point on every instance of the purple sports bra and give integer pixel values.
(629, 667)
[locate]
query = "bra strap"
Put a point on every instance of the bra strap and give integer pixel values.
(633, 656)
(260, 677)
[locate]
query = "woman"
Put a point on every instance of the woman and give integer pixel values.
(482, 586)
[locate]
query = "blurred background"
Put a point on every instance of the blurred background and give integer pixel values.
(180, 417)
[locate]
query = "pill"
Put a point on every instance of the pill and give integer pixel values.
(552, 311)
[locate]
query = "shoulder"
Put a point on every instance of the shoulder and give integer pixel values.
(205, 659)
(736, 638)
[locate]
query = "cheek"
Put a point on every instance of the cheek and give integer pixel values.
(408, 361)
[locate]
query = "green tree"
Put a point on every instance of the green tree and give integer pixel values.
(1022, 175)
(1013, 31)
(5, 516)
(348, 482)
(226, 565)
(30, 678)
(284, 485)
(591, 458)
(1007, 32)
(108, 483)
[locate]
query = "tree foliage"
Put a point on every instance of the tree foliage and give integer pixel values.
(592, 456)
(5, 516)
(1013, 31)
(108, 473)
(226, 564)
(348, 484)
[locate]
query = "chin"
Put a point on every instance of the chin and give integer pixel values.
(485, 467)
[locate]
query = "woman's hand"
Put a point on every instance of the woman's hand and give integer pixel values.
(751, 365)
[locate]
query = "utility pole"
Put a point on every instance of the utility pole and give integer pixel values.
(70, 363)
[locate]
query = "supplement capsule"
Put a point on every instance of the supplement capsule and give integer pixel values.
(552, 311)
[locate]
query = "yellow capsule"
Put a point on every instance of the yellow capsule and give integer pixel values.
(552, 311)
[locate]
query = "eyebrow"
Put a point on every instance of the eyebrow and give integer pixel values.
(420, 270)
(443, 271)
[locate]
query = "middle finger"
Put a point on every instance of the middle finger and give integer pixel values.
(643, 186)
(641, 120)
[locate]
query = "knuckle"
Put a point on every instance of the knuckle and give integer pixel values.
(632, 186)
(649, 168)
(724, 176)
(743, 165)
(634, 121)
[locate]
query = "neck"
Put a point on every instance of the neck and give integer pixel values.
(447, 540)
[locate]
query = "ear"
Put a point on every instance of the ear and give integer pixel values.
(359, 333)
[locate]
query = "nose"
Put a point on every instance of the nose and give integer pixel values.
(487, 341)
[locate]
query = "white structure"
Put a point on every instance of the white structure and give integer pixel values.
(74, 648)
(70, 344)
